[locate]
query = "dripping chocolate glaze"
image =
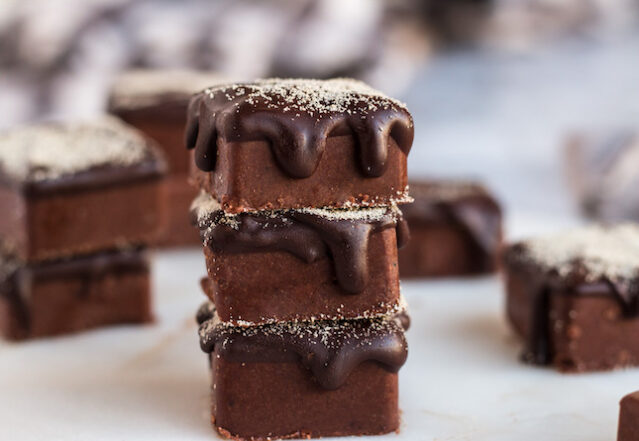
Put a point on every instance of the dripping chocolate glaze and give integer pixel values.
(464, 204)
(296, 117)
(329, 349)
(545, 281)
(307, 235)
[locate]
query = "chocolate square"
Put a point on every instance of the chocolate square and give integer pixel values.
(58, 297)
(155, 102)
(573, 298)
(282, 144)
(455, 230)
(305, 264)
(304, 379)
(74, 189)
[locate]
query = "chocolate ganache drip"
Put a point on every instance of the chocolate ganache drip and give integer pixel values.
(329, 349)
(296, 117)
(309, 234)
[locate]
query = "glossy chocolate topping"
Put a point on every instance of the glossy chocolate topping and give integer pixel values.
(329, 349)
(465, 204)
(584, 262)
(296, 117)
(309, 234)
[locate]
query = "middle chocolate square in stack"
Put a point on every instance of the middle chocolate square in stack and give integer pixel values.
(306, 264)
(300, 182)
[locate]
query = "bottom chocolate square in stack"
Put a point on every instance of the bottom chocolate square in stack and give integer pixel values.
(304, 379)
(62, 296)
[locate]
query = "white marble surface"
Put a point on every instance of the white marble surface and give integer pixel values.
(462, 380)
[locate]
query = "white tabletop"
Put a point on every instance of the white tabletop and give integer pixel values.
(462, 381)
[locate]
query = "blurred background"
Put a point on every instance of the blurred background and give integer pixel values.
(496, 86)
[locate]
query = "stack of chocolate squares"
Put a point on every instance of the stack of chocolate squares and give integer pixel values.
(300, 182)
(79, 204)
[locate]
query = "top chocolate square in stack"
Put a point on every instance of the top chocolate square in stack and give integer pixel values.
(287, 143)
(68, 189)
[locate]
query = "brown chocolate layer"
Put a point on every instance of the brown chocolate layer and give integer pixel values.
(329, 349)
(58, 297)
(292, 289)
(296, 117)
(456, 229)
(164, 123)
(247, 179)
(336, 142)
(162, 118)
(442, 251)
(308, 234)
(179, 231)
(260, 401)
(81, 215)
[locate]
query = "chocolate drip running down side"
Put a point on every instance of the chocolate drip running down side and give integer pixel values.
(296, 117)
(329, 349)
(307, 235)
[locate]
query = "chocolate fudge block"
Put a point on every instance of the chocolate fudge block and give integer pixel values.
(602, 174)
(78, 188)
(282, 144)
(455, 230)
(629, 418)
(155, 102)
(57, 297)
(305, 264)
(327, 378)
(179, 230)
(573, 298)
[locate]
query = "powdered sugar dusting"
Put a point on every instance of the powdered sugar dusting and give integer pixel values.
(208, 211)
(327, 332)
(49, 151)
(371, 214)
(339, 95)
(611, 252)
